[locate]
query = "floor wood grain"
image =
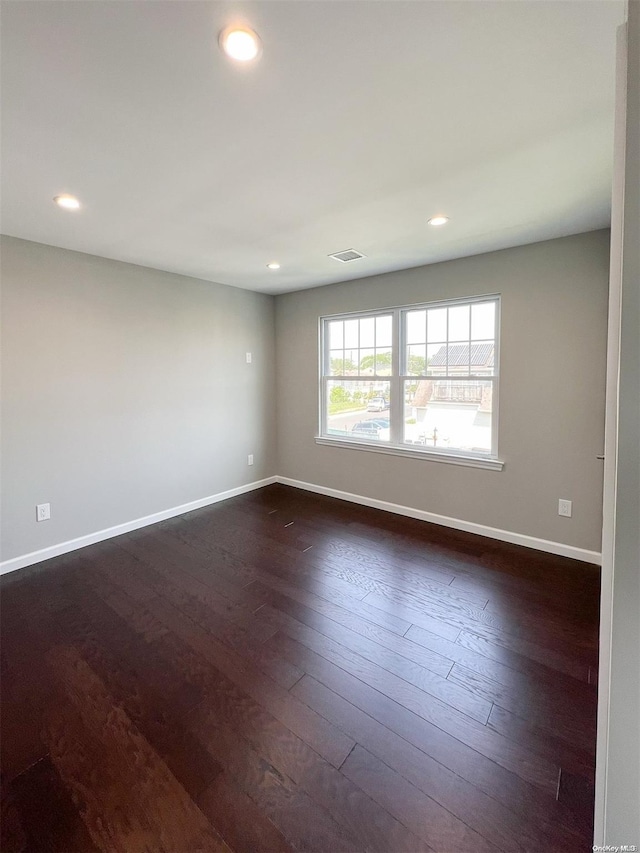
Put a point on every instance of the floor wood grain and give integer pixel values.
(284, 671)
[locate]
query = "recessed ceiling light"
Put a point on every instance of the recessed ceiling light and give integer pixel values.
(240, 43)
(69, 202)
(438, 220)
(273, 266)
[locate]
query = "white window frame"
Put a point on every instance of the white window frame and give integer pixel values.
(396, 447)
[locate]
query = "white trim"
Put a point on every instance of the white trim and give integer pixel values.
(455, 523)
(109, 532)
(610, 473)
(414, 452)
(411, 306)
(545, 545)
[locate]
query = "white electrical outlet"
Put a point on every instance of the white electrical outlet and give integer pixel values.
(248, 358)
(564, 508)
(250, 459)
(43, 512)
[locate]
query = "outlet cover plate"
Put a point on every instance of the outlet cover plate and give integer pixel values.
(564, 508)
(43, 512)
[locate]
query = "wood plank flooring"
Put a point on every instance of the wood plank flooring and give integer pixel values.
(284, 671)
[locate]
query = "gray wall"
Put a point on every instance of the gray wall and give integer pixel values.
(119, 382)
(553, 347)
(125, 392)
(622, 812)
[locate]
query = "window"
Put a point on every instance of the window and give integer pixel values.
(419, 379)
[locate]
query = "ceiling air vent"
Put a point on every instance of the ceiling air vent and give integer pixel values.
(347, 255)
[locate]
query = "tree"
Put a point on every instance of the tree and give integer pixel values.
(380, 361)
(339, 366)
(416, 365)
(423, 392)
(339, 395)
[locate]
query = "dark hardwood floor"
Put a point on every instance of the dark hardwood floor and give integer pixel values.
(285, 671)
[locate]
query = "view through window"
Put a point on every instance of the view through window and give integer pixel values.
(420, 377)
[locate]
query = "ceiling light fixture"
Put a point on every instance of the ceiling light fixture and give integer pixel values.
(240, 43)
(273, 266)
(438, 220)
(69, 202)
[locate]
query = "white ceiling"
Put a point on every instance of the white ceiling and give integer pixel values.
(360, 120)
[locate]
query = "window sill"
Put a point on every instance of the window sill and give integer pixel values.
(414, 453)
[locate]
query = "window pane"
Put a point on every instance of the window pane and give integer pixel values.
(362, 344)
(483, 320)
(482, 358)
(351, 334)
(459, 323)
(383, 362)
(449, 414)
(458, 359)
(336, 362)
(416, 360)
(367, 361)
(436, 359)
(383, 331)
(436, 325)
(358, 409)
(336, 334)
(367, 332)
(416, 327)
(351, 357)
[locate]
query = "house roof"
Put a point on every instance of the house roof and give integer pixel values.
(481, 356)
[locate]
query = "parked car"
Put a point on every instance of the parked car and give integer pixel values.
(383, 423)
(370, 429)
(377, 404)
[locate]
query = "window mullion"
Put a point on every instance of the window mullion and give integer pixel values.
(397, 398)
(324, 361)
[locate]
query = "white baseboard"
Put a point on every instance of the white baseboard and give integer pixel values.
(109, 532)
(458, 524)
(455, 523)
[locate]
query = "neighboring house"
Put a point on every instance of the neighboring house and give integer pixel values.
(458, 360)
